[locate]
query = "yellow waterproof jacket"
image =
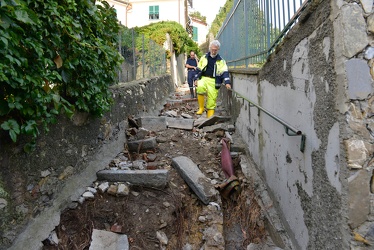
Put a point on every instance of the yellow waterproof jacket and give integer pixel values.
(221, 73)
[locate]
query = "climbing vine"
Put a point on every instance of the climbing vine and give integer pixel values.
(182, 43)
(57, 56)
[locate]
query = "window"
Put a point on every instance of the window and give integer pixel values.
(153, 12)
(194, 34)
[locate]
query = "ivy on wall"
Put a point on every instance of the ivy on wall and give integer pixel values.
(57, 56)
(182, 43)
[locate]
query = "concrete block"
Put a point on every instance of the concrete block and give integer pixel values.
(154, 123)
(149, 178)
(142, 145)
(194, 178)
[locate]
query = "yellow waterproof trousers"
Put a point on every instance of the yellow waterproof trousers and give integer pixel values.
(206, 86)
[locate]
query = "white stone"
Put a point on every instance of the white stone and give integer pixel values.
(45, 173)
(202, 219)
(369, 53)
(161, 236)
(123, 189)
(356, 152)
(92, 190)
(88, 195)
(103, 187)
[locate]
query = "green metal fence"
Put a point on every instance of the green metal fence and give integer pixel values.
(253, 28)
(143, 57)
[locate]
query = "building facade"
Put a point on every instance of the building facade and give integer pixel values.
(132, 13)
(143, 12)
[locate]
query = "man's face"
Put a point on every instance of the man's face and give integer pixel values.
(214, 50)
(192, 55)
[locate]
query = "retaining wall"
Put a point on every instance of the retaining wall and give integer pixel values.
(320, 81)
(36, 187)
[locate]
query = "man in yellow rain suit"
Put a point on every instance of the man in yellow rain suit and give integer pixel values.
(212, 71)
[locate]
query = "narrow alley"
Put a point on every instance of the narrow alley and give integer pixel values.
(143, 199)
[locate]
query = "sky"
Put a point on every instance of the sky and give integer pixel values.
(208, 8)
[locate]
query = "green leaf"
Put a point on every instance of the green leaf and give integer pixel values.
(22, 16)
(30, 128)
(5, 41)
(13, 135)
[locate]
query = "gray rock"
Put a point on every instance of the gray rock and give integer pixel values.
(354, 36)
(359, 79)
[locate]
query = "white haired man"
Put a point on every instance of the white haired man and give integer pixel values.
(212, 71)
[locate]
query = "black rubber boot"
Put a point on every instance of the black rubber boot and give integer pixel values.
(192, 93)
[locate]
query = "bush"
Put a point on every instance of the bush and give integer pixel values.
(57, 56)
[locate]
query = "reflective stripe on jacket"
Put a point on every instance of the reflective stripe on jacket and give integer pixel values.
(221, 73)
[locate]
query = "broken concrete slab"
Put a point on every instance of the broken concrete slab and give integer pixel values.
(202, 122)
(154, 123)
(180, 123)
(102, 239)
(216, 127)
(150, 178)
(194, 178)
(142, 145)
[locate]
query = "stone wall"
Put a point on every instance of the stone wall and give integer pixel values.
(36, 187)
(354, 22)
(320, 81)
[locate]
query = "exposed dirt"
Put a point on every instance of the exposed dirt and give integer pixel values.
(175, 210)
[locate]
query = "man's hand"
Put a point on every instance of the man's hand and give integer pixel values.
(228, 86)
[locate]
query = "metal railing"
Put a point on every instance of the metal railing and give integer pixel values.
(143, 57)
(290, 130)
(253, 28)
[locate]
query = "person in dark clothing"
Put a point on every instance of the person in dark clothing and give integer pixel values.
(191, 65)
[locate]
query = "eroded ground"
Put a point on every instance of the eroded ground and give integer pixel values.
(174, 212)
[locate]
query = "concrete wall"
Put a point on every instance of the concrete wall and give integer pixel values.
(36, 187)
(318, 81)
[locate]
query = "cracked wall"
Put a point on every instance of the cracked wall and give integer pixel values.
(320, 81)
